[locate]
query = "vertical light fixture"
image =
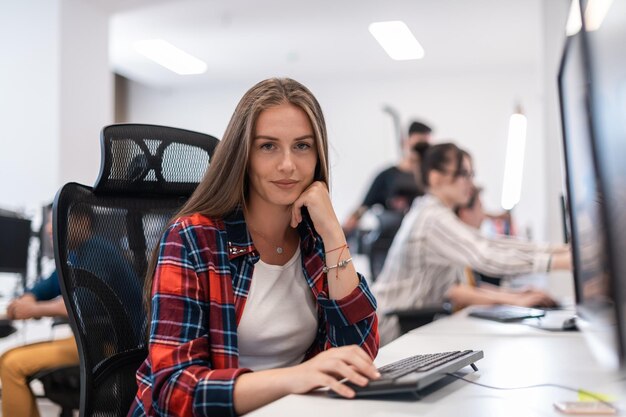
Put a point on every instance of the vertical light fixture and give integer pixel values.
(574, 20)
(514, 161)
(595, 12)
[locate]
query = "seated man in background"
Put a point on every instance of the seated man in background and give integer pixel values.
(90, 252)
(392, 186)
(18, 364)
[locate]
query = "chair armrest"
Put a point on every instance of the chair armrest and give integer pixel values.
(58, 372)
(61, 385)
(419, 312)
(410, 319)
(59, 320)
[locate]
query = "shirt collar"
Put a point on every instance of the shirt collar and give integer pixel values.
(239, 240)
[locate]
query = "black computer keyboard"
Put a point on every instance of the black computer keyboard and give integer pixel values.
(415, 372)
(506, 313)
(419, 363)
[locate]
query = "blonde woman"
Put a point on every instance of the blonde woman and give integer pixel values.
(254, 273)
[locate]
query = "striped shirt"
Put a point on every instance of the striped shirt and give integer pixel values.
(429, 254)
(201, 283)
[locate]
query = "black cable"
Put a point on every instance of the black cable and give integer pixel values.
(576, 390)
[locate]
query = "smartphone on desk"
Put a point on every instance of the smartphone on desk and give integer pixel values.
(585, 408)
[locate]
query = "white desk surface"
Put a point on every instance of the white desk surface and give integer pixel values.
(28, 331)
(515, 355)
(515, 358)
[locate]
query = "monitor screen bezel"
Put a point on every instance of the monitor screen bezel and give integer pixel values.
(617, 281)
(26, 225)
(595, 325)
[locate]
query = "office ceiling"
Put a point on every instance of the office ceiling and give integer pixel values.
(246, 40)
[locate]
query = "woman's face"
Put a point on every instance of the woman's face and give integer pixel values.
(457, 186)
(283, 155)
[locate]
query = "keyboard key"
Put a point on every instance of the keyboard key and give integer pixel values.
(419, 363)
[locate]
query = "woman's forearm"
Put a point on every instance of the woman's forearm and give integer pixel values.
(256, 389)
(342, 280)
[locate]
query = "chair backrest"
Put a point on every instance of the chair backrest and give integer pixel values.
(378, 241)
(103, 239)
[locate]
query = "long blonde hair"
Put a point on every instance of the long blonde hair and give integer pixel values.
(224, 187)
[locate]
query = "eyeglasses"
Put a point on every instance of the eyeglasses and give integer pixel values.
(469, 175)
(466, 174)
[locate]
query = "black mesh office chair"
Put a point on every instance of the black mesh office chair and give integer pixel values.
(61, 385)
(377, 242)
(103, 239)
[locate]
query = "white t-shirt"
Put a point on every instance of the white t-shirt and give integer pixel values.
(279, 320)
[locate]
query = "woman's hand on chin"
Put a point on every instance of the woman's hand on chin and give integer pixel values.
(317, 201)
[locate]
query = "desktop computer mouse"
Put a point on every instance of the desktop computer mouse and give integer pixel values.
(570, 323)
(554, 321)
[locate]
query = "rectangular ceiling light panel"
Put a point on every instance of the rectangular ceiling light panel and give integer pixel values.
(170, 57)
(397, 40)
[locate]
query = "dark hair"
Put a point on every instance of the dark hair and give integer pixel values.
(436, 157)
(418, 127)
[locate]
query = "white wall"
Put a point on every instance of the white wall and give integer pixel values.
(470, 108)
(29, 111)
(55, 95)
(86, 99)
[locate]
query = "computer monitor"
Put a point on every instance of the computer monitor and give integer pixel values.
(593, 242)
(607, 65)
(14, 241)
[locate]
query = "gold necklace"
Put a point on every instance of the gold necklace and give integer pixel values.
(279, 248)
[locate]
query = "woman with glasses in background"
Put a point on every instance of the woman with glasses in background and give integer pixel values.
(426, 264)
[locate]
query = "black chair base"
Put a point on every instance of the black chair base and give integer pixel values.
(61, 386)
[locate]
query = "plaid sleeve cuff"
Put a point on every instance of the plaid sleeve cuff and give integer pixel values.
(214, 394)
(357, 306)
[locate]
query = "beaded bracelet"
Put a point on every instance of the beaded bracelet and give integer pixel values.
(340, 264)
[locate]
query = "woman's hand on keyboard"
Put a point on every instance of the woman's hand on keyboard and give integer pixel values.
(333, 367)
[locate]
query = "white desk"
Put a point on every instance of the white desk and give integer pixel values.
(515, 355)
(28, 331)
